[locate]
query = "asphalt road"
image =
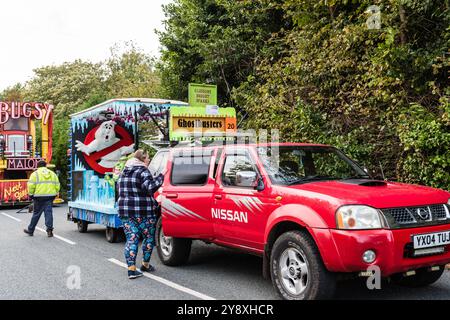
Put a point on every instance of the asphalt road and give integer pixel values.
(41, 268)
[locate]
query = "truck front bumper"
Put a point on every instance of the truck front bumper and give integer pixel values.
(343, 250)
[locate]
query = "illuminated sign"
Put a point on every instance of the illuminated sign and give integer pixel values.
(191, 124)
(188, 120)
(22, 164)
(16, 110)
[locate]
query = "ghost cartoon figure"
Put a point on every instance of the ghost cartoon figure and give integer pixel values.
(105, 137)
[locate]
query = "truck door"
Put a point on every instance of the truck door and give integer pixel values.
(239, 211)
(187, 194)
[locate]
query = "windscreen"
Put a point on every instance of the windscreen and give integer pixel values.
(295, 165)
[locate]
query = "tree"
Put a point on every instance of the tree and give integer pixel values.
(13, 93)
(381, 95)
(131, 74)
(314, 70)
(67, 86)
(78, 85)
(215, 41)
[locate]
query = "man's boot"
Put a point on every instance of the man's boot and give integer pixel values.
(50, 233)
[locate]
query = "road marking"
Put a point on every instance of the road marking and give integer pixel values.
(58, 237)
(167, 282)
(41, 230)
(11, 217)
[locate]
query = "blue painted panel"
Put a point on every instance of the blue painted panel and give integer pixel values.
(109, 220)
(95, 194)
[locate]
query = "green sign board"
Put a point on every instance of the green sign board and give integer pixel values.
(202, 95)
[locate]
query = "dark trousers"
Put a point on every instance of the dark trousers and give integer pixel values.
(41, 205)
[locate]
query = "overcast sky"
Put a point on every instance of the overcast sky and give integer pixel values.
(35, 33)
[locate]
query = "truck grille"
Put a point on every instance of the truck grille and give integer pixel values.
(417, 216)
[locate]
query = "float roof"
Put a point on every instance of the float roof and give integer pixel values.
(132, 100)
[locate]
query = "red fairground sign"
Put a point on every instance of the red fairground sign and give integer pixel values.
(16, 164)
(16, 110)
(13, 191)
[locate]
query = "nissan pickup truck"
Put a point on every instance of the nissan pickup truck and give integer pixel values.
(314, 215)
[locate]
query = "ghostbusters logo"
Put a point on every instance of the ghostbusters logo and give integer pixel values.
(102, 148)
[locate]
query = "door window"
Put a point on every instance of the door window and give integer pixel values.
(233, 165)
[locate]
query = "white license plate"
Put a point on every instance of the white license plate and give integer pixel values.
(431, 239)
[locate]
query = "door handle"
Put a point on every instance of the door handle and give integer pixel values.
(172, 196)
(218, 197)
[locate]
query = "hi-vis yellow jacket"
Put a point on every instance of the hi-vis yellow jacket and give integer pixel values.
(43, 183)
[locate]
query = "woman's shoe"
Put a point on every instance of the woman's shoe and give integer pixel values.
(149, 269)
(134, 274)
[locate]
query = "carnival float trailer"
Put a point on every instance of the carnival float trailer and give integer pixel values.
(100, 138)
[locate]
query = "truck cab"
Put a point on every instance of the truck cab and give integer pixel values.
(16, 138)
(312, 213)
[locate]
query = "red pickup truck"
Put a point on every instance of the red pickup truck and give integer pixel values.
(311, 212)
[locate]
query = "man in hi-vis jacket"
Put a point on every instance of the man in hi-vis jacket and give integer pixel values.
(43, 187)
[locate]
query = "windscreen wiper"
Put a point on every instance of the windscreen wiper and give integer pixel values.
(312, 179)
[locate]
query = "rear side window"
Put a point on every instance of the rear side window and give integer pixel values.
(191, 171)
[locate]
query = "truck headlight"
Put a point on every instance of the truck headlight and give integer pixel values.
(358, 218)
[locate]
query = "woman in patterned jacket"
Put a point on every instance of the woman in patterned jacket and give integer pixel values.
(137, 211)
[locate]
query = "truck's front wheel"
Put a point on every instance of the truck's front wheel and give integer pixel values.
(297, 269)
(172, 251)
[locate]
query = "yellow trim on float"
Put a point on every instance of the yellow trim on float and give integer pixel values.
(33, 135)
(45, 138)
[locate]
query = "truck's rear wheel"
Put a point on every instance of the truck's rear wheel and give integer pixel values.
(422, 278)
(172, 251)
(82, 226)
(113, 235)
(297, 270)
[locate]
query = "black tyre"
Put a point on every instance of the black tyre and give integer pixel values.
(82, 226)
(297, 269)
(172, 251)
(422, 278)
(112, 235)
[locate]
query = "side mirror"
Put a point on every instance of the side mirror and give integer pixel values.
(260, 187)
(246, 179)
